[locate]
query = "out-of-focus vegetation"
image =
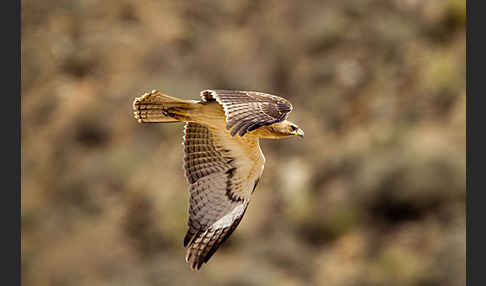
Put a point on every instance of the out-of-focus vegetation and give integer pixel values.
(374, 194)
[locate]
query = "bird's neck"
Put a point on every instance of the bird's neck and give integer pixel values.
(270, 132)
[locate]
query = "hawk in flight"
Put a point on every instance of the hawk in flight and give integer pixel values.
(223, 161)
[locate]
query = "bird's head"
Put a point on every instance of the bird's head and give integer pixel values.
(295, 130)
(284, 129)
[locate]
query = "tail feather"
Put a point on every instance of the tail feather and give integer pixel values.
(158, 107)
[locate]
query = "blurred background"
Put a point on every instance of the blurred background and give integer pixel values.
(373, 195)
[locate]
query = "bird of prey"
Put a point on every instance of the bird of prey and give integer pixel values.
(223, 161)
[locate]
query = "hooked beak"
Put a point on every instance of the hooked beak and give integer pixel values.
(300, 133)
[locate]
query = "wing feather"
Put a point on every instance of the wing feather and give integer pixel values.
(241, 107)
(221, 183)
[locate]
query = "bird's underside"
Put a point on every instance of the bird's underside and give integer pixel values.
(223, 161)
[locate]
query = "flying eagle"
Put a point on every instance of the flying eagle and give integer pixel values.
(223, 161)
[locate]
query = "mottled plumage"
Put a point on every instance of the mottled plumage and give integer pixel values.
(223, 161)
(248, 110)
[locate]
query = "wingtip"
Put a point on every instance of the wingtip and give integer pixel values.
(194, 262)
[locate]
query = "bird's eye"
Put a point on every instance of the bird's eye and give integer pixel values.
(293, 127)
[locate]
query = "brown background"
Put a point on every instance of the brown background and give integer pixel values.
(373, 195)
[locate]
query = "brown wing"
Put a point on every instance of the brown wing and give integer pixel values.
(248, 110)
(221, 183)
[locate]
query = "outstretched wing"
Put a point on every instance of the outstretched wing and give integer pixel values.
(247, 110)
(222, 178)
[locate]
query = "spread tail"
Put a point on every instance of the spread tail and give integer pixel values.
(156, 107)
